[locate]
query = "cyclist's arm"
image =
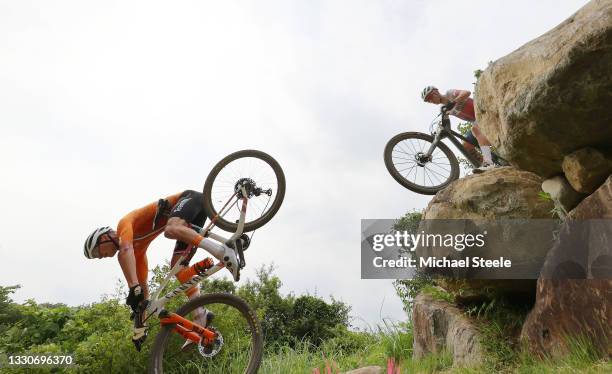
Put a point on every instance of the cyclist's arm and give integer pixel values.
(128, 263)
(142, 272)
(462, 95)
(126, 257)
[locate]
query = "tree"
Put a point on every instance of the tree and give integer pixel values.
(407, 289)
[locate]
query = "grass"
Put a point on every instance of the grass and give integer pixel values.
(389, 340)
(392, 339)
(581, 358)
(435, 363)
(396, 339)
(438, 293)
(305, 357)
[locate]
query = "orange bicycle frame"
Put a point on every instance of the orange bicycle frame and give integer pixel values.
(188, 329)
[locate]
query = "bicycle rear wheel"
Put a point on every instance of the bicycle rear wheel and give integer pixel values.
(256, 169)
(242, 341)
(405, 161)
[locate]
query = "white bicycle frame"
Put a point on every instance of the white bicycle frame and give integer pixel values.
(156, 304)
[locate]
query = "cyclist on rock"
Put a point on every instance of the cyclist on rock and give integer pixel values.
(463, 109)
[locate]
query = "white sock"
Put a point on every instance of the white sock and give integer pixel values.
(486, 154)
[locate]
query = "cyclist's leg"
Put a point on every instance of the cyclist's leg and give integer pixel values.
(199, 315)
(189, 209)
(470, 146)
(182, 213)
(181, 248)
(485, 145)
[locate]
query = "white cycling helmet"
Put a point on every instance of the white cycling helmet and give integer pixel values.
(90, 249)
(426, 91)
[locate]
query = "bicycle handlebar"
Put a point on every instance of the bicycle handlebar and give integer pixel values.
(448, 107)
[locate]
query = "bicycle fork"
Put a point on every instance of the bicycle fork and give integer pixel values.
(188, 329)
(423, 158)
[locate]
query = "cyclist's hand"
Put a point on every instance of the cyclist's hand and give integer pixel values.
(135, 297)
(140, 327)
(139, 338)
(448, 107)
(455, 107)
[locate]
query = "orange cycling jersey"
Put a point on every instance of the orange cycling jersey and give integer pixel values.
(137, 228)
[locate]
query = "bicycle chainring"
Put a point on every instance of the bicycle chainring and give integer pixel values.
(211, 350)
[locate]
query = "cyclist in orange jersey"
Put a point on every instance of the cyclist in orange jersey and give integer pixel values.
(138, 229)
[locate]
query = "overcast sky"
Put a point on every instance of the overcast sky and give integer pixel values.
(106, 106)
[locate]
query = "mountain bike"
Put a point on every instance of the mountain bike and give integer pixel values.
(242, 193)
(423, 163)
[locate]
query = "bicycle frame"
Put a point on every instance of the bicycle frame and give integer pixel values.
(183, 326)
(444, 131)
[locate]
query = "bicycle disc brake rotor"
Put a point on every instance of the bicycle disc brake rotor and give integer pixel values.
(247, 183)
(211, 350)
(250, 187)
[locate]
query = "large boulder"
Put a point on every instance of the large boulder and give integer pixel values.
(551, 96)
(501, 202)
(597, 206)
(574, 292)
(440, 326)
(580, 308)
(587, 168)
(504, 192)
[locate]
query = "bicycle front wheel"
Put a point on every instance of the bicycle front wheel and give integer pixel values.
(265, 179)
(406, 162)
(239, 351)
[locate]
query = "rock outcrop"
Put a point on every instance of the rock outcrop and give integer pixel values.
(587, 168)
(566, 306)
(502, 192)
(440, 326)
(597, 205)
(578, 308)
(552, 96)
(506, 193)
(546, 108)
